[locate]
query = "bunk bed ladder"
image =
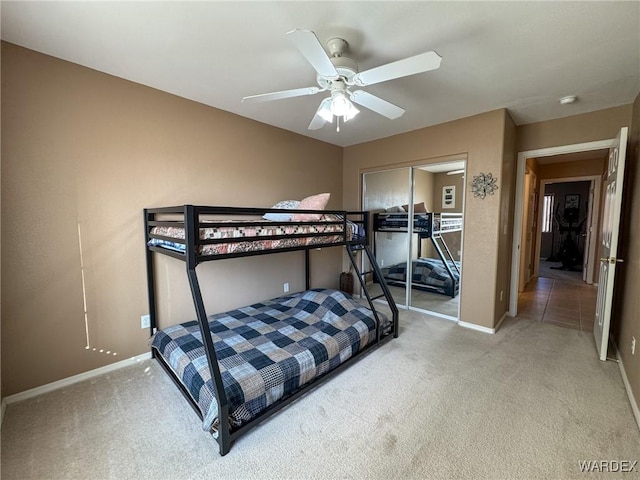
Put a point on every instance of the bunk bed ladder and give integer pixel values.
(383, 284)
(445, 261)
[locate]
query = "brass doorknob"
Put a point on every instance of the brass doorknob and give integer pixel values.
(612, 260)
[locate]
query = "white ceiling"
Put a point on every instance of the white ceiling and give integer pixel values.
(522, 56)
(444, 167)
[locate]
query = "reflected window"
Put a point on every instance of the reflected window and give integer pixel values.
(547, 213)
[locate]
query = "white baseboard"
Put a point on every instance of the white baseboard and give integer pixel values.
(34, 392)
(479, 328)
(627, 386)
(499, 324)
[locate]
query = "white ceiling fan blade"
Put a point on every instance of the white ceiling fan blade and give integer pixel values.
(317, 122)
(309, 45)
(402, 68)
(377, 104)
(296, 92)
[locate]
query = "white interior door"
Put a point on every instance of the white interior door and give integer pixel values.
(609, 248)
(587, 238)
(528, 223)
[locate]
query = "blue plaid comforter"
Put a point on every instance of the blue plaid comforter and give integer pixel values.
(267, 350)
(426, 271)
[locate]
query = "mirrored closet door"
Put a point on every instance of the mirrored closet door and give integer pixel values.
(384, 194)
(436, 237)
(417, 219)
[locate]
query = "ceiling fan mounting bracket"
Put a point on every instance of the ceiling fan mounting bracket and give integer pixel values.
(337, 47)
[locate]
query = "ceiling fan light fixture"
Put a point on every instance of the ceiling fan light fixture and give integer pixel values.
(352, 112)
(341, 106)
(325, 110)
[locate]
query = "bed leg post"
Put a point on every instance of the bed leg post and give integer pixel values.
(307, 269)
(224, 430)
(224, 437)
(151, 289)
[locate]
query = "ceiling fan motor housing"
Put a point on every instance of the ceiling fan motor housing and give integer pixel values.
(347, 69)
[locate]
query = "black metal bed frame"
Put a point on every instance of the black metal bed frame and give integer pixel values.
(425, 225)
(192, 218)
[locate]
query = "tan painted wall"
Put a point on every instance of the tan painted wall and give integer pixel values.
(626, 312)
(424, 192)
(86, 150)
(587, 127)
(454, 239)
(479, 138)
(579, 168)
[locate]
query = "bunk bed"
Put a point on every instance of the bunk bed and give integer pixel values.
(237, 368)
(441, 275)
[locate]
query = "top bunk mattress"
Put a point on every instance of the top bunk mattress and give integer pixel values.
(268, 350)
(248, 238)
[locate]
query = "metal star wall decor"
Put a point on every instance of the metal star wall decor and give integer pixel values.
(483, 184)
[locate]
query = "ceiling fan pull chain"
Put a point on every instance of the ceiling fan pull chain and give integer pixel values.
(337, 124)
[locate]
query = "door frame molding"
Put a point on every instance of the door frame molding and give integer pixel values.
(519, 204)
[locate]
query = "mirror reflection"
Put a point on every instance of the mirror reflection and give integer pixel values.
(417, 228)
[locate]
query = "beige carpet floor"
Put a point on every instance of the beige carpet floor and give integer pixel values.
(429, 301)
(441, 401)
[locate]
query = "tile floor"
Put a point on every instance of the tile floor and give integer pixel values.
(559, 302)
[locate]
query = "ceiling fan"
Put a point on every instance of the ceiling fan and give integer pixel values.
(337, 74)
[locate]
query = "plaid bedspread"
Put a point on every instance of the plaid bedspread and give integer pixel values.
(249, 236)
(425, 271)
(267, 350)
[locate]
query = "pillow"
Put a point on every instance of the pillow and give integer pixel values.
(417, 208)
(282, 217)
(396, 209)
(314, 202)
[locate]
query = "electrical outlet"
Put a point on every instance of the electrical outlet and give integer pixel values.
(145, 321)
(286, 287)
(633, 345)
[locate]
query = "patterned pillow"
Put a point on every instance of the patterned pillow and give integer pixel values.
(282, 217)
(314, 202)
(417, 208)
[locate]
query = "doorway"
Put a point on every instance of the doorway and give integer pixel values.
(561, 238)
(566, 230)
(556, 292)
(527, 158)
(421, 265)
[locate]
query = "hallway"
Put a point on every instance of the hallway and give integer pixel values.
(559, 302)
